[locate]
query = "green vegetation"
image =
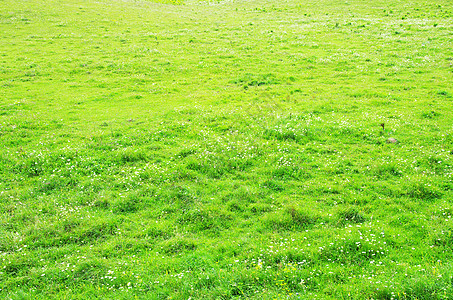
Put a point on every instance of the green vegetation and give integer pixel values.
(226, 150)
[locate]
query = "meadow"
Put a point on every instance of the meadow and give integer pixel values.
(226, 149)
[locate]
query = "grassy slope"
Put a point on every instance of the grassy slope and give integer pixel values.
(226, 150)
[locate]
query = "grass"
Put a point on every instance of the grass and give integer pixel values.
(226, 149)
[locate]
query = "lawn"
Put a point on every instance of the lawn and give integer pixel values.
(226, 149)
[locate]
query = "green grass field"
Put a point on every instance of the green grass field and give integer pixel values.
(226, 150)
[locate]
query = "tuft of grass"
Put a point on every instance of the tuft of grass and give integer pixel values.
(350, 215)
(291, 218)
